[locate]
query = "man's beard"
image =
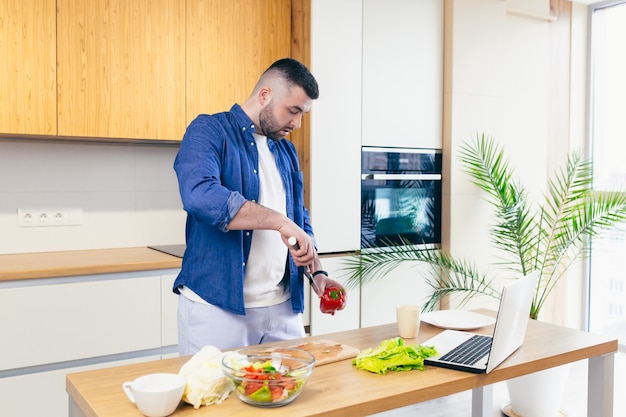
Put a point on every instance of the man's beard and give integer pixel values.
(268, 123)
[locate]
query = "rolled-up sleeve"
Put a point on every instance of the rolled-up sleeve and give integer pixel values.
(199, 168)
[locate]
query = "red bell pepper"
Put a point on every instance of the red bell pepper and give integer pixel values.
(333, 299)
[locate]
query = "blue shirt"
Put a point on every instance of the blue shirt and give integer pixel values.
(217, 168)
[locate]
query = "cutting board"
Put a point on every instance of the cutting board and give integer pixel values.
(328, 351)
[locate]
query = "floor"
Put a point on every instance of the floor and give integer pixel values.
(574, 404)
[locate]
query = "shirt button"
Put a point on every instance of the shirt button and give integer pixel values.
(252, 126)
(254, 201)
(247, 233)
(251, 143)
(255, 171)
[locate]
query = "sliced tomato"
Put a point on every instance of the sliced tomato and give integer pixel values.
(277, 392)
(252, 387)
(289, 383)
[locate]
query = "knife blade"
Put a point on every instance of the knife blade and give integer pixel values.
(307, 271)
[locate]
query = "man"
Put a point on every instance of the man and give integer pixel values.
(242, 188)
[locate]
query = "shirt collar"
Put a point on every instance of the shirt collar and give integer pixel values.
(243, 120)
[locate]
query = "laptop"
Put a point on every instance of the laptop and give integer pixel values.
(471, 352)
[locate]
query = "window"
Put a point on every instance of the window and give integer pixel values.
(607, 273)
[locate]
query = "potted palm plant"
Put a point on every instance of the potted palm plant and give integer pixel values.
(548, 237)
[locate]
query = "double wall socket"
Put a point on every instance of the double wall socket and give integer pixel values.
(49, 217)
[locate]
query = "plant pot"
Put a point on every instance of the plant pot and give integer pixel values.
(539, 394)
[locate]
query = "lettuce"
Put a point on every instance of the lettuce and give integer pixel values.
(393, 355)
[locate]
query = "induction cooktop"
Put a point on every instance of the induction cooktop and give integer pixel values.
(174, 250)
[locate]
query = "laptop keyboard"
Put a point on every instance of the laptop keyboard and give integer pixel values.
(470, 351)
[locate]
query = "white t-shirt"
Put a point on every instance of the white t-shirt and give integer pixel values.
(268, 253)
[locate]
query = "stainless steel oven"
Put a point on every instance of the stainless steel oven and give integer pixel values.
(400, 196)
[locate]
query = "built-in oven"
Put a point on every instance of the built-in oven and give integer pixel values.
(400, 197)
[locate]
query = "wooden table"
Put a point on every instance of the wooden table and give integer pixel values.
(339, 389)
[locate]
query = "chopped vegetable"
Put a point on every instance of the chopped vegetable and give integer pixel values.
(333, 299)
(262, 382)
(394, 355)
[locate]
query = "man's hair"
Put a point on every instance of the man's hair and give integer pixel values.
(295, 73)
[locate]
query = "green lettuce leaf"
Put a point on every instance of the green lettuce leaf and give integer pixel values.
(393, 355)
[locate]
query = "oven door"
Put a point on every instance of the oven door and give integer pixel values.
(400, 207)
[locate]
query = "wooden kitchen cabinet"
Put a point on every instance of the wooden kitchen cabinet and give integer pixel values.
(121, 68)
(140, 69)
(28, 67)
(229, 44)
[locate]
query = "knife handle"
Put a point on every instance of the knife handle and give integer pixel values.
(307, 272)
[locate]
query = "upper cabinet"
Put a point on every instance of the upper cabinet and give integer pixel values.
(403, 73)
(140, 69)
(27, 67)
(335, 143)
(229, 44)
(121, 68)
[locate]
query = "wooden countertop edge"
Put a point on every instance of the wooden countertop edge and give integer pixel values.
(83, 262)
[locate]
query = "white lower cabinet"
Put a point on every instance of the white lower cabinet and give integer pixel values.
(68, 321)
(55, 326)
(346, 319)
(169, 311)
(43, 393)
(373, 303)
(404, 285)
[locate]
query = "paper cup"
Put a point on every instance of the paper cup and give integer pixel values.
(408, 317)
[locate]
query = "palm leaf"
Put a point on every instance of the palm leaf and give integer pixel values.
(444, 274)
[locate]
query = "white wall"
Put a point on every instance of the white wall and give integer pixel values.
(499, 80)
(128, 194)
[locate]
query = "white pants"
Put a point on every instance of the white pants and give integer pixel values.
(201, 325)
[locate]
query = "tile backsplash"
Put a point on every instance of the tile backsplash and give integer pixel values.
(128, 195)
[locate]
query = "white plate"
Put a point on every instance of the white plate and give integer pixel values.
(457, 319)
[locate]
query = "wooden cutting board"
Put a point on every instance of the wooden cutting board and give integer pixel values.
(328, 351)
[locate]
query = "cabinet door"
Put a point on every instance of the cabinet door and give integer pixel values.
(169, 311)
(403, 73)
(43, 393)
(62, 322)
(27, 67)
(336, 125)
(121, 68)
(229, 44)
(346, 319)
(404, 285)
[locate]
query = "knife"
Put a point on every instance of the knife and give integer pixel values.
(307, 272)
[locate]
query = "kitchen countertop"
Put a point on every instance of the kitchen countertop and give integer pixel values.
(98, 393)
(83, 262)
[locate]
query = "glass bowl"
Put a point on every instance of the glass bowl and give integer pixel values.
(268, 376)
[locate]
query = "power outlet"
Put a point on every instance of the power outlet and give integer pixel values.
(49, 217)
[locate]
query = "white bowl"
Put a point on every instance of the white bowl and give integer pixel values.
(156, 395)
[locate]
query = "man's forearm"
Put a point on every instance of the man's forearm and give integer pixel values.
(253, 216)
